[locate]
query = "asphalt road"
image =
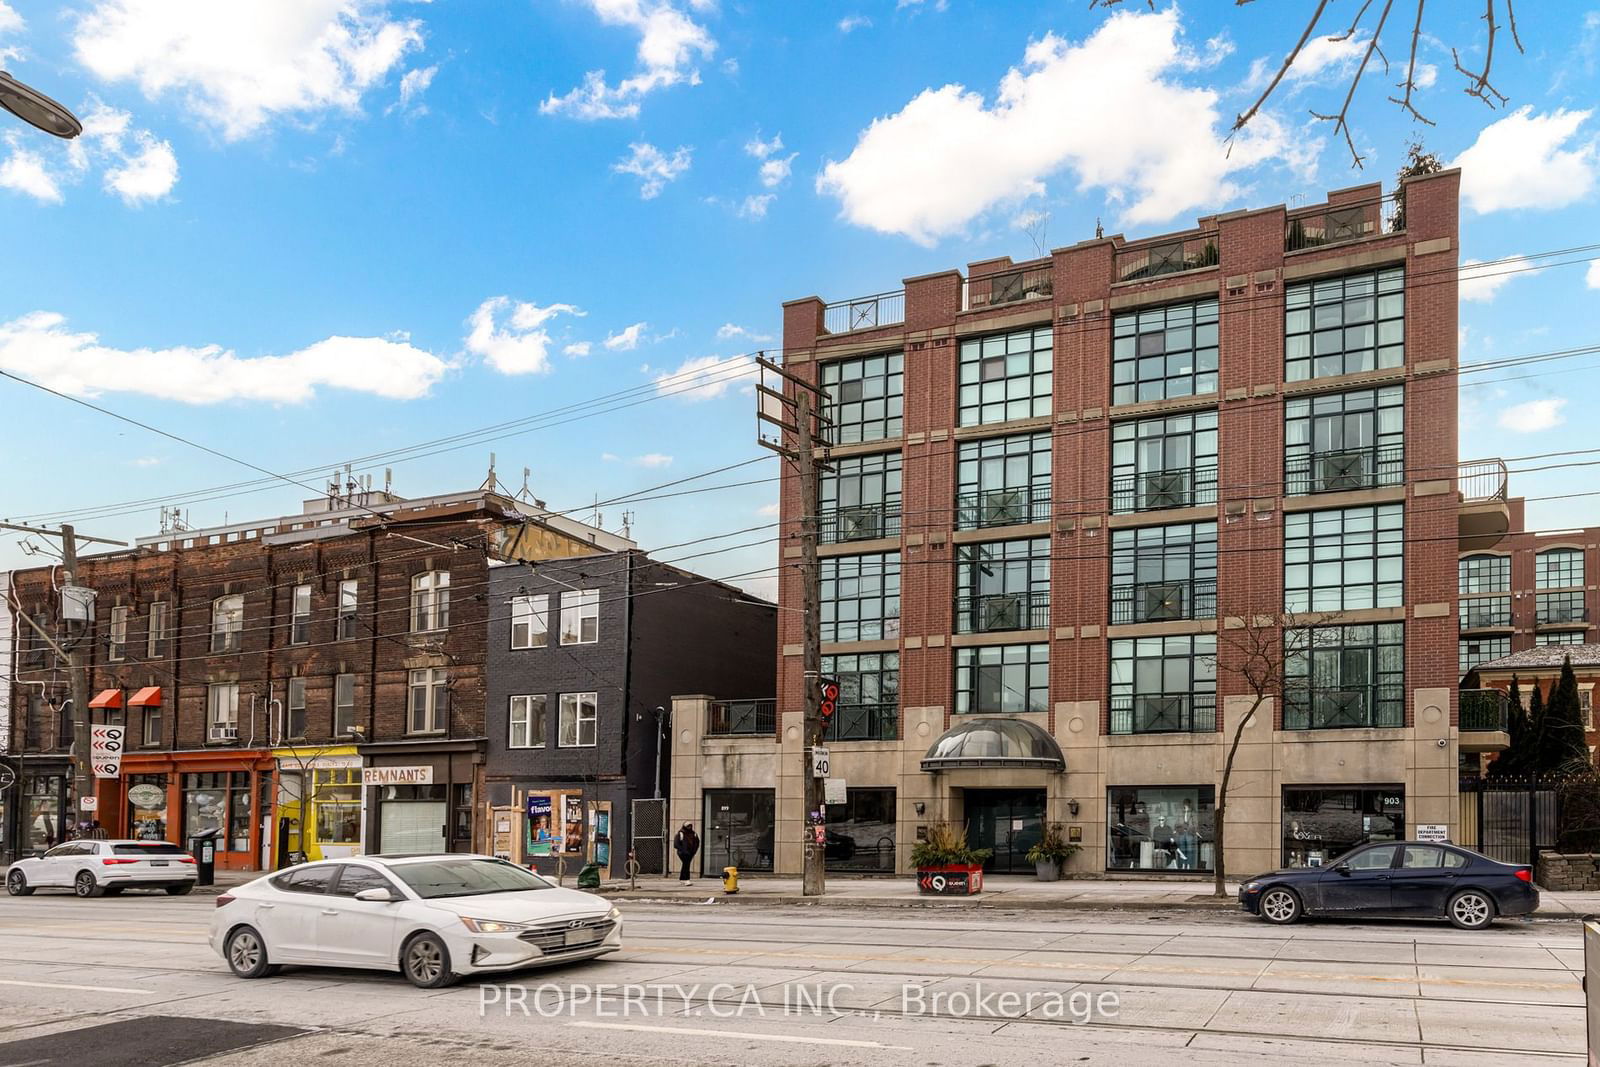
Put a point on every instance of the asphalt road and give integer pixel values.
(131, 981)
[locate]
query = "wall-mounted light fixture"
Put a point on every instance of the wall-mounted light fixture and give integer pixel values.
(1072, 807)
(918, 807)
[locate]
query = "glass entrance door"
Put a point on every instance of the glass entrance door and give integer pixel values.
(1009, 821)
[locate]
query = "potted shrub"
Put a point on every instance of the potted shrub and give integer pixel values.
(945, 865)
(1050, 853)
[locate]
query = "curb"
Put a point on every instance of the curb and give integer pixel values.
(993, 903)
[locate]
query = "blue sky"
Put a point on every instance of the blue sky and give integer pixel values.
(301, 231)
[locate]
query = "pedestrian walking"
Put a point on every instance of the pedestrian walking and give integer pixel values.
(687, 843)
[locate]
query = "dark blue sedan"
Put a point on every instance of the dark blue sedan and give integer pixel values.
(1400, 878)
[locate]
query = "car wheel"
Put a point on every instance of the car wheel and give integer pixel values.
(1280, 906)
(1471, 909)
(85, 886)
(426, 962)
(247, 954)
(17, 885)
(180, 890)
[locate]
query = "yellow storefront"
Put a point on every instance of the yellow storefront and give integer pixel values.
(319, 804)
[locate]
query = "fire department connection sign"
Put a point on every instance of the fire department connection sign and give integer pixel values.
(105, 750)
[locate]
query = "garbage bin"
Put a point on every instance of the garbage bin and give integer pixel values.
(589, 877)
(203, 847)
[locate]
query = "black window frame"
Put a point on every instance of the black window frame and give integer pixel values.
(1468, 656)
(1384, 692)
(1553, 564)
(980, 504)
(875, 579)
(1138, 485)
(847, 425)
(1309, 544)
(1008, 360)
(1306, 331)
(1312, 463)
(865, 515)
(969, 669)
(1184, 554)
(1017, 597)
(1483, 612)
(868, 708)
(1188, 331)
(1136, 707)
(1473, 577)
(1561, 607)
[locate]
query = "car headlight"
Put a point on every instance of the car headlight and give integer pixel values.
(492, 926)
(614, 914)
(1252, 885)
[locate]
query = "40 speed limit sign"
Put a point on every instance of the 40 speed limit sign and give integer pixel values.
(105, 750)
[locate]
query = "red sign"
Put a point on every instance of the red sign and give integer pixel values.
(829, 688)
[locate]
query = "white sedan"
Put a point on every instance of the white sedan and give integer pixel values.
(433, 918)
(95, 868)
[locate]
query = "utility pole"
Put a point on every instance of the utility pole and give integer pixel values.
(799, 446)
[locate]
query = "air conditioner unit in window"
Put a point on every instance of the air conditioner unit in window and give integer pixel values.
(1000, 613)
(1166, 489)
(1344, 470)
(1157, 714)
(858, 524)
(224, 733)
(1341, 708)
(1004, 507)
(1162, 601)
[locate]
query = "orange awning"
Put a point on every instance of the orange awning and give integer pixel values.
(148, 697)
(107, 698)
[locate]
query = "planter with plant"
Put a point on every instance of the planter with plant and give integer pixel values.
(1052, 850)
(945, 865)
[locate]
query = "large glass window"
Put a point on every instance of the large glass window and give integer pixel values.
(1484, 574)
(1477, 613)
(580, 617)
(1005, 376)
(1558, 568)
(1166, 462)
(1476, 650)
(861, 597)
(578, 720)
(1341, 441)
(1165, 352)
(1160, 573)
(239, 806)
(738, 830)
(526, 721)
(1162, 685)
(1338, 677)
(1160, 828)
(1344, 325)
(147, 807)
(868, 708)
(1003, 585)
(861, 832)
(1003, 481)
(1347, 559)
(1560, 637)
(205, 803)
(999, 679)
(1554, 609)
(864, 398)
(430, 602)
(860, 498)
(429, 702)
(43, 796)
(1321, 824)
(227, 623)
(530, 621)
(338, 805)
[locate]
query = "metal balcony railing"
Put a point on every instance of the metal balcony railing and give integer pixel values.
(1184, 487)
(1486, 613)
(1485, 710)
(998, 612)
(1134, 602)
(865, 312)
(1167, 257)
(863, 722)
(742, 718)
(1337, 225)
(1351, 468)
(1343, 709)
(1164, 713)
(1481, 480)
(862, 522)
(1009, 286)
(1002, 507)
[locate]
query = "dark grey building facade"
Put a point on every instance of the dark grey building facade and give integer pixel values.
(584, 657)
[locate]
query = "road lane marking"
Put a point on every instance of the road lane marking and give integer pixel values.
(742, 1035)
(79, 988)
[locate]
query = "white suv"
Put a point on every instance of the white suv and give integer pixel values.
(95, 868)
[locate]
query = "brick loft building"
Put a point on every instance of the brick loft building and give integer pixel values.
(307, 684)
(1064, 497)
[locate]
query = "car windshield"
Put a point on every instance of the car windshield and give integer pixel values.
(431, 879)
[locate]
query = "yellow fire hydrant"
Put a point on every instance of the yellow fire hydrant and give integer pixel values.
(730, 879)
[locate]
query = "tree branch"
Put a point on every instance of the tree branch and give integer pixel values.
(1341, 121)
(1410, 84)
(1347, 34)
(1480, 86)
(1240, 120)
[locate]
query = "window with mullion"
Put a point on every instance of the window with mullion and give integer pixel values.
(861, 597)
(1343, 441)
(1166, 462)
(1345, 559)
(1476, 650)
(1559, 637)
(864, 398)
(430, 701)
(1164, 684)
(1165, 352)
(1344, 325)
(860, 498)
(294, 709)
(1003, 481)
(1002, 679)
(1558, 568)
(526, 721)
(1160, 573)
(300, 615)
(1338, 677)
(1553, 609)
(868, 708)
(1005, 376)
(1476, 613)
(1003, 585)
(1483, 574)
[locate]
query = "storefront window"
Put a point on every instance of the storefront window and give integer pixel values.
(338, 803)
(239, 808)
(1165, 828)
(861, 831)
(205, 803)
(737, 831)
(147, 807)
(1319, 824)
(41, 810)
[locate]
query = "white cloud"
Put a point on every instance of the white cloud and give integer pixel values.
(1528, 160)
(1480, 282)
(10, 21)
(653, 459)
(1326, 55)
(762, 149)
(1427, 74)
(728, 331)
(768, 511)
(705, 377)
(148, 174)
(25, 171)
(1591, 277)
(774, 172)
(854, 22)
(653, 168)
(578, 348)
(1533, 416)
(755, 207)
(242, 64)
(520, 344)
(145, 461)
(669, 44)
(911, 172)
(625, 340)
(40, 346)
(413, 84)
(610, 457)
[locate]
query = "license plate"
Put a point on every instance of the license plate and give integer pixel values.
(158, 863)
(581, 937)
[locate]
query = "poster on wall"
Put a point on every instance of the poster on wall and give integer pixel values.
(602, 834)
(574, 819)
(542, 839)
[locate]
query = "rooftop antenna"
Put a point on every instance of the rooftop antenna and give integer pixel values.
(488, 485)
(388, 479)
(525, 493)
(627, 525)
(350, 484)
(599, 519)
(1099, 230)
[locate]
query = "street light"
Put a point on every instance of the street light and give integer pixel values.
(37, 109)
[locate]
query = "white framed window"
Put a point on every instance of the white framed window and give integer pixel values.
(349, 601)
(527, 722)
(577, 720)
(117, 647)
(430, 602)
(580, 617)
(294, 709)
(300, 616)
(227, 622)
(530, 621)
(430, 700)
(150, 726)
(344, 704)
(222, 710)
(156, 632)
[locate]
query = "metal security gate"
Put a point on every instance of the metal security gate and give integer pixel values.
(649, 824)
(1511, 821)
